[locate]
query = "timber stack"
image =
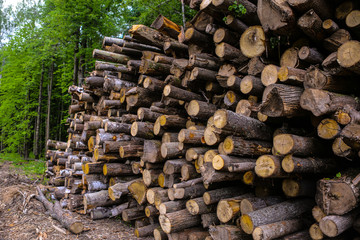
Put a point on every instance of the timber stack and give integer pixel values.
(240, 127)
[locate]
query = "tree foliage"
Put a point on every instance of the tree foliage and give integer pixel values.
(39, 33)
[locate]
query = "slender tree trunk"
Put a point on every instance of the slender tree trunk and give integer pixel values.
(61, 116)
(76, 59)
(82, 61)
(26, 142)
(38, 118)
(51, 77)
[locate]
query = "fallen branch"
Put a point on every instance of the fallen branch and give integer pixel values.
(55, 211)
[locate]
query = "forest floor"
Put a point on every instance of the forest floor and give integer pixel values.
(23, 217)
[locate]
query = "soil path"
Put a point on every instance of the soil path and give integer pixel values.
(23, 217)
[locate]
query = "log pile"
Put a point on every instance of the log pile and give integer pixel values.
(232, 128)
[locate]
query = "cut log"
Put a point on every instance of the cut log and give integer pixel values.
(148, 35)
(152, 151)
(227, 52)
(228, 209)
(334, 225)
(297, 188)
(278, 212)
(201, 110)
(302, 146)
(252, 42)
(255, 203)
(177, 221)
(131, 150)
(328, 129)
(109, 56)
(318, 213)
(238, 146)
(344, 188)
(311, 165)
(138, 191)
(276, 16)
(251, 85)
(172, 206)
(277, 229)
(348, 56)
(281, 101)
(197, 206)
(315, 232)
(335, 40)
(228, 232)
(235, 24)
(66, 219)
(209, 219)
(225, 35)
(214, 196)
(173, 166)
(310, 55)
(181, 94)
(142, 129)
(233, 164)
(191, 191)
(269, 166)
(321, 102)
(194, 153)
(243, 126)
(133, 214)
(311, 24)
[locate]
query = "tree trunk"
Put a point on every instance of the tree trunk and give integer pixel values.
(177, 221)
(277, 229)
(37, 143)
(47, 128)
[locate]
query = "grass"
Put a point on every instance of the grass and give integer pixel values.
(31, 168)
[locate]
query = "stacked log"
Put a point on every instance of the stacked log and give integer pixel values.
(230, 129)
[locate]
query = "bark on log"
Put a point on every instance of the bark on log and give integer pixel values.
(233, 164)
(311, 165)
(277, 229)
(251, 204)
(269, 166)
(177, 221)
(66, 219)
(321, 102)
(238, 146)
(278, 212)
(111, 57)
(348, 56)
(334, 225)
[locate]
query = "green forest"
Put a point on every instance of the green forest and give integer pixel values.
(45, 47)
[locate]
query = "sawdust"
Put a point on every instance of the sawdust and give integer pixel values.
(22, 217)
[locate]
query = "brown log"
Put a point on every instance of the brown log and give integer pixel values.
(176, 221)
(233, 164)
(150, 177)
(66, 219)
(317, 213)
(116, 169)
(194, 36)
(328, 129)
(178, 93)
(152, 151)
(315, 232)
(347, 115)
(153, 84)
(166, 26)
(133, 214)
(334, 225)
(173, 166)
(243, 126)
(235, 24)
(302, 146)
(321, 102)
(142, 129)
(320, 6)
(228, 209)
(91, 168)
(228, 232)
(341, 149)
(138, 191)
(172, 150)
(209, 219)
(335, 40)
(269, 166)
(131, 150)
(345, 190)
(290, 58)
(209, 175)
(194, 153)
(269, 75)
(172, 206)
(227, 36)
(191, 191)
(297, 188)
(251, 85)
(238, 146)
(292, 164)
(214, 196)
(201, 61)
(291, 76)
(310, 55)
(252, 42)
(272, 15)
(197, 206)
(281, 100)
(311, 24)
(278, 212)
(247, 108)
(255, 203)
(318, 79)
(109, 56)
(227, 52)
(169, 137)
(199, 109)
(277, 229)
(330, 26)
(149, 35)
(348, 57)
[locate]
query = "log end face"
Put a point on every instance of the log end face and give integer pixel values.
(265, 166)
(290, 188)
(161, 180)
(218, 162)
(220, 118)
(249, 178)
(252, 42)
(257, 234)
(283, 73)
(246, 85)
(283, 143)
(353, 19)
(220, 50)
(224, 211)
(348, 54)
(167, 90)
(165, 224)
(192, 207)
(207, 198)
(328, 129)
(287, 164)
(134, 129)
(269, 75)
(328, 227)
(76, 227)
(246, 206)
(228, 145)
(247, 224)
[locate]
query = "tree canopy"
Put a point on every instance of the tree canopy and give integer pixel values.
(46, 46)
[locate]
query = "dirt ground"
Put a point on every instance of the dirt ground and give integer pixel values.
(23, 217)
